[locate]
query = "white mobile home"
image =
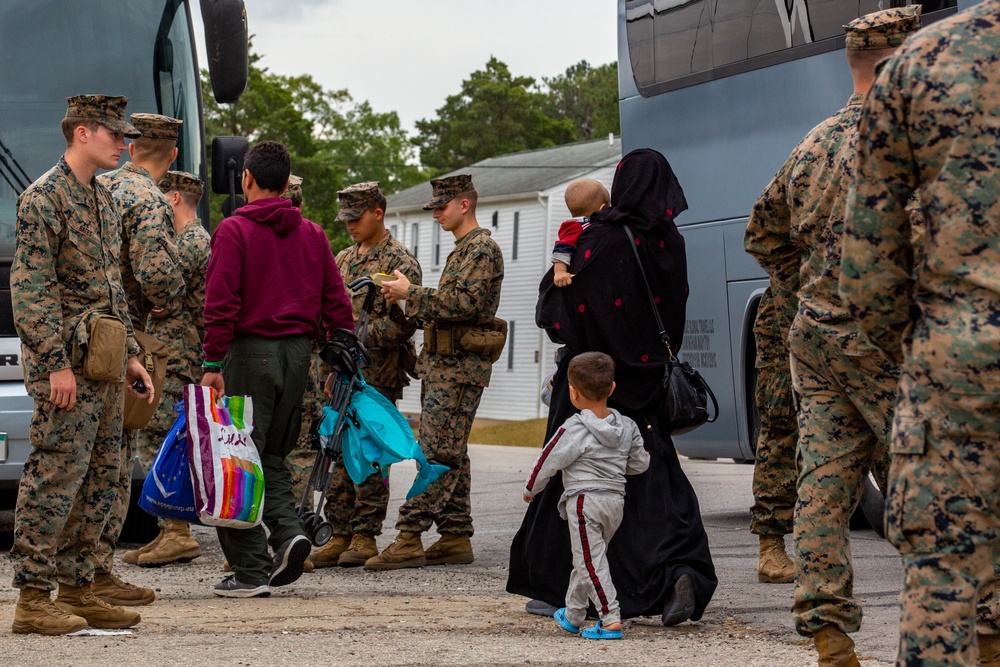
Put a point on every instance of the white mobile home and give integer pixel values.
(521, 203)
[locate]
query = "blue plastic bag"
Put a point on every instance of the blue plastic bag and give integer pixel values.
(168, 490)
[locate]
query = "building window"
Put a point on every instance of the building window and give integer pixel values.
(415, 239)
(510, 346)
(496, 219)
(513, 243)
(394, 231)
(436, 242)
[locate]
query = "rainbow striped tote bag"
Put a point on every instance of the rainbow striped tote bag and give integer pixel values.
(225, 464)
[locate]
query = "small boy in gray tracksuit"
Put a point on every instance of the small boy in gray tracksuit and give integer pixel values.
(594, 449)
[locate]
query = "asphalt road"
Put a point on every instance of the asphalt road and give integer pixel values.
(460, 615)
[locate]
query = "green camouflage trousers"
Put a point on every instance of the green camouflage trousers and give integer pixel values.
(845, 414)
(350, 508)
(104, 554)
(447, 412)
(774, 470)
(943, 515)
(68, 486)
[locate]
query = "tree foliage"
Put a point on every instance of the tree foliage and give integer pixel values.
(333, 140)
(588, 97)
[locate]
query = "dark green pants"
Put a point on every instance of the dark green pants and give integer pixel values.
(273, 372)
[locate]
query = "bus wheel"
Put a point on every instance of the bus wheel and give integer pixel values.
(870, 511)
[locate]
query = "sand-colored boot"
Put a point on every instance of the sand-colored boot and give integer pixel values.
(82, 601)
(176, 546)
(328, 555)
(451, 550)
(406, 551)
(132, 555)
(36, 613)
(362, 548)
(989, 650)
(835, 648)
(774, 566)
(114, 591)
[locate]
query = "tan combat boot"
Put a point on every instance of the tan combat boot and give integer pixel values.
(82, 601)
(406, 551)
(774, 566)
(362, 548)
(114, 591)
(36, 613)
(451, 550)
(989, 650)
(328, 555)
(176, 546)
(132, 555)
(835, 648)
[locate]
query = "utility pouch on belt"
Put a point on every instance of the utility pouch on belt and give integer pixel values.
(487, 339)
(103, 351)
(440, 341)
(153, 356)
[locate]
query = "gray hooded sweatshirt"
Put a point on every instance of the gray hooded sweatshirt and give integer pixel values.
(593, 454)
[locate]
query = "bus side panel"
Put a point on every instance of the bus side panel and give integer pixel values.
(707, 341)
(741, 295)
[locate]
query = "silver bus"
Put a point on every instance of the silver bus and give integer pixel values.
(51, 50)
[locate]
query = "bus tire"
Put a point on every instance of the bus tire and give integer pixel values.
(870, 512)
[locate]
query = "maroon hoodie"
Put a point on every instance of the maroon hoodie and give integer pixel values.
(271, 274)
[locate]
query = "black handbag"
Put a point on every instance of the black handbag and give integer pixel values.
(684, 394)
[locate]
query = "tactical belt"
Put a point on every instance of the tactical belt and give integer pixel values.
(445, 342)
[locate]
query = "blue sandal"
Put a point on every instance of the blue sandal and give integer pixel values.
(598, 632)
(560, 617)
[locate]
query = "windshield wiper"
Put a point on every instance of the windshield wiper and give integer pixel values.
(20, 182)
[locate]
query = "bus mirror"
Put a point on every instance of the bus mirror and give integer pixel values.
(227, 44)
(227, 164)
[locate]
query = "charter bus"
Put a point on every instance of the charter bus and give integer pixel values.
(54, 49)
(725, 89)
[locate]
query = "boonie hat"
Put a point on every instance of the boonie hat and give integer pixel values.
(108, 110)
(446, 189)
(155, 126)
(883, 29)
(294, 187)
(356, 199)
(182, 182)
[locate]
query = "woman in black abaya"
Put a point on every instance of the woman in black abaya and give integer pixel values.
(659, 558)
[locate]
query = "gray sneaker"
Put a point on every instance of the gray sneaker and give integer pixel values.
(231, 587)
(289, 560)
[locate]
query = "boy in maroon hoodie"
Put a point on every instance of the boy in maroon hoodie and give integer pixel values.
(271, 280)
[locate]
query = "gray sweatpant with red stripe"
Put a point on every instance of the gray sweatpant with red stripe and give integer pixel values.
(593, 518)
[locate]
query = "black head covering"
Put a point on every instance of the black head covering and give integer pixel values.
(645, 193)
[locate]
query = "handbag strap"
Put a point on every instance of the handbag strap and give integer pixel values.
(649, 293)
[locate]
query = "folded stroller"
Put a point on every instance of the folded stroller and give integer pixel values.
(359, 428)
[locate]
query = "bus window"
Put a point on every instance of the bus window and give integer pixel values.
(670, 42)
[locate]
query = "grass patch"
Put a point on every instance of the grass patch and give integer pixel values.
(527, 433)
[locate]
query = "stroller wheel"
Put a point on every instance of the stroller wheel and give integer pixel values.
(303, 513)
(312, 521)
(322, 533)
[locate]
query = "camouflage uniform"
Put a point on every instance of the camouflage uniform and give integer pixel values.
(152, 277)
(451, 386)
(930, 123)
(65, 264)
(774, 469)
(845, 386)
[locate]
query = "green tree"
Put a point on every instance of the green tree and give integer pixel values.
(588, 97)
(494, 113)
(333, 141)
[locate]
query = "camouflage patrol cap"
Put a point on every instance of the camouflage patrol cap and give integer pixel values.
(356, 199)
(884, 29)
(182, 182)
(155, 126)
(446, 189)
(108, 110)
(294, 187)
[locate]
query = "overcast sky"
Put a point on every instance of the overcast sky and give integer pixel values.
(409, 55)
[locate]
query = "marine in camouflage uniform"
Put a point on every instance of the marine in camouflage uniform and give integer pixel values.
(152, 278)
(774, 469)
(181, 328)
(929, 125)
(846, 387)
(65, 267)
(452, 377)
(357, 512)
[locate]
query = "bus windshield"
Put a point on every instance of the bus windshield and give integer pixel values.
(143, 49)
